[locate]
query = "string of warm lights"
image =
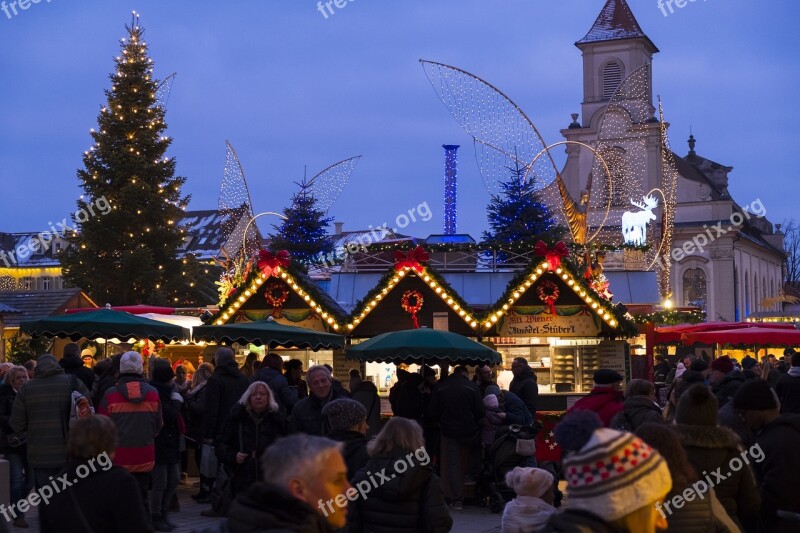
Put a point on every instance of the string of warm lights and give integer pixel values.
(447, 294)
(328, 185)
(597, 304)
(669, 176)
(671, 317)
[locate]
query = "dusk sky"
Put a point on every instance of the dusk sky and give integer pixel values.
(290, 88)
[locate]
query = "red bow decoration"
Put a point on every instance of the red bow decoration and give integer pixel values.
(267, 262)
(552, 255)
(412, 259)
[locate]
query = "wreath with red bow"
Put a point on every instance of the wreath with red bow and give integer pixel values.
(276, 293)
(548, 292)
(412, 309)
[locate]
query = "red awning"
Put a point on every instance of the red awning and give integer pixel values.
(669, 334)
(758, 336)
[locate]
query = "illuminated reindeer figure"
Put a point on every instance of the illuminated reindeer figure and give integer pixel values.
(634, 225)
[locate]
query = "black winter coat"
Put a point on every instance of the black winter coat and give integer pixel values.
(168, 440)
(307, 414)
(193, 407)
(636, 411)
(457, 404)
(779, 471)
(788, 389)
(224, 388)
(105, 378)
(354, 452)
(264, 508)
(7, 395)
(74, 365)
(406, 398)
(726, 390)
(713, 447)
(285, 395)
(110, 500)
(410, 501)
(526, 388)
(367, 395)
(245, 432)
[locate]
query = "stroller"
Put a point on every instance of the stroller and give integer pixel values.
(514, 445)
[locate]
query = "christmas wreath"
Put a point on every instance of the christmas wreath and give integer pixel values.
(276, 293)
(414, 308)
(548, 292)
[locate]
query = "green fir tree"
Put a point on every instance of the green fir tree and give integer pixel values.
(518, 216)
(304, 233)
(125, 250)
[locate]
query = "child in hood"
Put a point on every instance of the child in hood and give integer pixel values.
(495, 417)
(532, 507)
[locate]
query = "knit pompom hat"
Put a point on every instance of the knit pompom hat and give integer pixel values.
(527, 481)
(609, 473)
(344, 414)
(697, 407)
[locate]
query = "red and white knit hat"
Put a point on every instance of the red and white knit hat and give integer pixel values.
(613, 473)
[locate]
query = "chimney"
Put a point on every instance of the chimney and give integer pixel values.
(338, 226)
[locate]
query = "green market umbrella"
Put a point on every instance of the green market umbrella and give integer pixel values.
(103, 323)
(426, 345)
(269, 333)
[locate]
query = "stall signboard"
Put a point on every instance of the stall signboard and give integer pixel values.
(614, 355)
(568, 321)
(441, 320)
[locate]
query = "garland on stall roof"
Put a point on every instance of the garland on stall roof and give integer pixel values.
(671, 317)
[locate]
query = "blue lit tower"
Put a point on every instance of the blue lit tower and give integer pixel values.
(450, 187)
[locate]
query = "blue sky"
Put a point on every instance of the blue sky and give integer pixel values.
(290, 88)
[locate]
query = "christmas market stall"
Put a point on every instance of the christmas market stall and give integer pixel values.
(270, 288)
(563, 323)
(410, 295)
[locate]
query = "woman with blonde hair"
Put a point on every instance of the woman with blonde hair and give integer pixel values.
(255, 422)
(408, 496)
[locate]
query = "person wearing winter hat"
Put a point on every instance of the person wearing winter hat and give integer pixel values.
(347, 420)
(615, 480)
(712, 448)
(605, 398)
(724, 379)
(776, 469)
(533, 505)
(640, 406)
(135, 408)
(679, 370)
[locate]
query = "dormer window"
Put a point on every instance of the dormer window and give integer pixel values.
(612, 77)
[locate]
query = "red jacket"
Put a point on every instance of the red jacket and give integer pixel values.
(135, 408)
(604, 401)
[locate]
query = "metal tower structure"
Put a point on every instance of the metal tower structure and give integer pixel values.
(450, 187)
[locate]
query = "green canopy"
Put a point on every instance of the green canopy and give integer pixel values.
(429, 345)
(103, 323)
(269, 333)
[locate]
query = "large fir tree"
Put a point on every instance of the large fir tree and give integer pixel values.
(518, 216)
(129, 255)
(304, 232)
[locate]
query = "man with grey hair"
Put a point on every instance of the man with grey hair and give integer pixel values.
(305, 489)
(307, 413)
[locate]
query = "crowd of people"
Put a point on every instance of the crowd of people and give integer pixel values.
(280, 449)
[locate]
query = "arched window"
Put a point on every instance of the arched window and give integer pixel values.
(612, 77)
(755, 294)
(694, 288)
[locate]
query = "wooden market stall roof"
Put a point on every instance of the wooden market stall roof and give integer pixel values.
(34, 305)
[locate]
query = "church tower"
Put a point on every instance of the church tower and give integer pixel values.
(613, 49)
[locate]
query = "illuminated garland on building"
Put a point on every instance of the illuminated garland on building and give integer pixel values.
(430, 278)
(669, 175)
(450, 188)
(671, 317)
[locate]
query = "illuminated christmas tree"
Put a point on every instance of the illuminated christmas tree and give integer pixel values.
(304, 232)
(518, 216)
(125, 250)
